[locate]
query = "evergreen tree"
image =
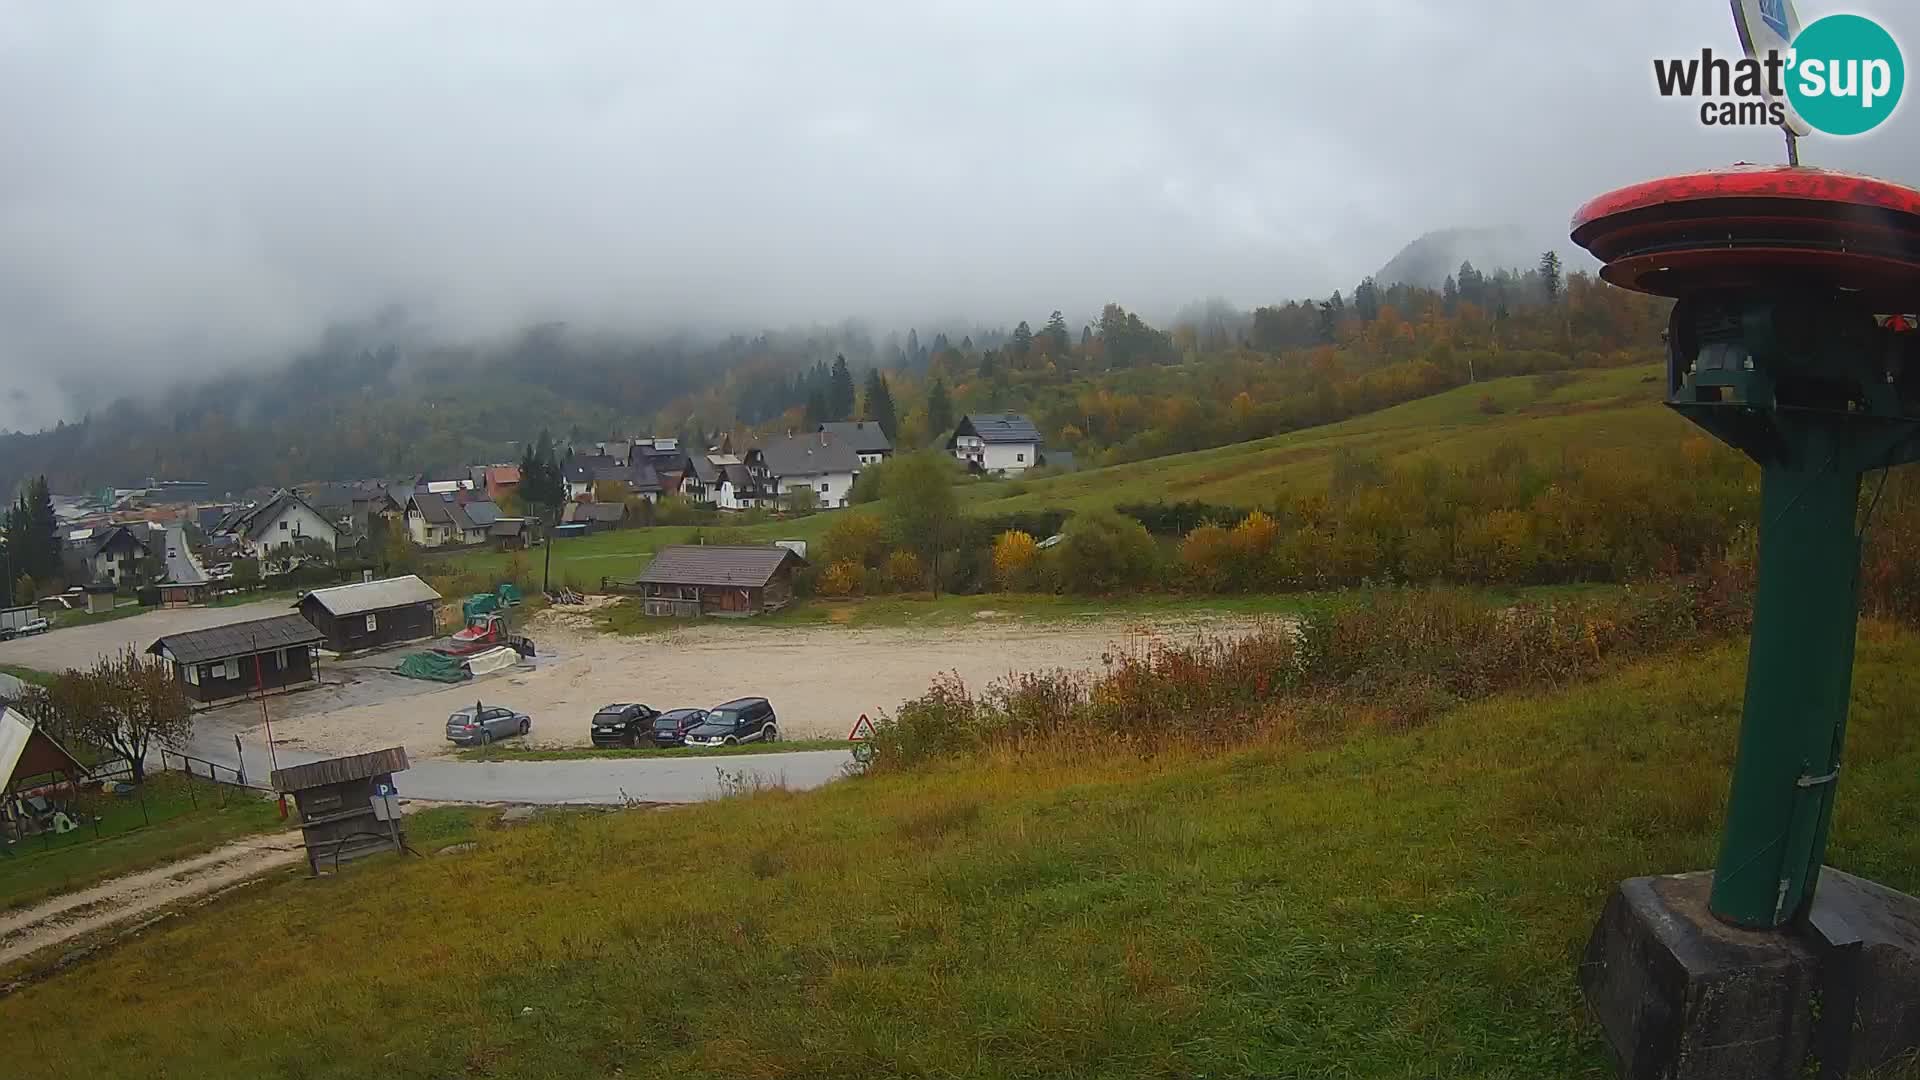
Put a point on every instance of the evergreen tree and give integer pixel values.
(1022, 346)
(816, 408)
(939, 410)
(1550, 279)
(1450, 295)
(840, 393)
(1056, 332)
(879, 408)
(1366, 300)
(987, 365)
(1086, 336)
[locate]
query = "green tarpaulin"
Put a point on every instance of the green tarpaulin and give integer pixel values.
(432, 665)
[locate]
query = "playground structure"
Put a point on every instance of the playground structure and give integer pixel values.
(1789, 340)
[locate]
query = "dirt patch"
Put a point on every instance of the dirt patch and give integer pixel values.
(126, 899)
(820, 679)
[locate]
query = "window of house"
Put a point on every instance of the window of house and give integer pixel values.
(1019, 457)
(230, 669)
(823, 489)
(194, 673)
(283, 526)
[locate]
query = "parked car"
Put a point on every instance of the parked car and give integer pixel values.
(623, 725)
(670, 728)
(743, 720)
(31, 626)
(484, 723)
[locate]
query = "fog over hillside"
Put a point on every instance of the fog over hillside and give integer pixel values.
(191, 187)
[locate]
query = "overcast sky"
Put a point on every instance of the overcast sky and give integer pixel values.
(184, 186)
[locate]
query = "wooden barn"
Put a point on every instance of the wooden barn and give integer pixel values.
(372, 614)
(226, 663)
(688, 580)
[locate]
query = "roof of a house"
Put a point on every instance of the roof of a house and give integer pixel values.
(999, 428)
(577, 471)
(619, 450)
(737, 475)
(1058, 459)
(503, 474)
(339, 770)
(606, 512)
(507, 527)
(482, 513)
(365, 596)
(238, 639)
(717, 564)
(254, 521)
(864, 436)
(105, 539)
(16, 732)
(643, 478)
(808, 455)
(705, 469)
(449, 510)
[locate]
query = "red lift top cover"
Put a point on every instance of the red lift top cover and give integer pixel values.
(1760, 227)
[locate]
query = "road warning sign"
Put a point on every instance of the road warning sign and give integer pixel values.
(862, 729)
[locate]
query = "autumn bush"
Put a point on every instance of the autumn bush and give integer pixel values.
(1398, 655)
(841, 579)
(904, 572)
(1015, 554)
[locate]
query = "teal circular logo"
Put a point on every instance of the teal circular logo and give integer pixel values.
(1846, 75)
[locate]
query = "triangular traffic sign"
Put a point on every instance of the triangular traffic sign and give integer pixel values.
(862, 729)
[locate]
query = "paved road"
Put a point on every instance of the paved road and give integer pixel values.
(586, 780)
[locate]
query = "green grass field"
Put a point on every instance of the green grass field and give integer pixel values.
(28, 675)
(1390, 904)
(1599, 408)
(181, 817)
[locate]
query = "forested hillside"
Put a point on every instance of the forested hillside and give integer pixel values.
(382, 399)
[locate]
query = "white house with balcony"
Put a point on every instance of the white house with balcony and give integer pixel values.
(998, 443)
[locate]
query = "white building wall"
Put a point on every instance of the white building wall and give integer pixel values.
(1009, 457)
(834, 488)
(290, 523)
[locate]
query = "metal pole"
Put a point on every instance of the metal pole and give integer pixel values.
(259, 686)
(240, 757)
(1793, 148)
(1799, 678)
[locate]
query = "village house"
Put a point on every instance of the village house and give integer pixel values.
(113, 555)
(721, 481)
(372, 614)
(501, 481)
(869, 443)
(226, 663)
(282, 521)
(688, 580)
(998, 443)
(445, 520)
(819, 462)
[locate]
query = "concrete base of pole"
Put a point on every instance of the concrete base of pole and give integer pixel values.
(1684, 996)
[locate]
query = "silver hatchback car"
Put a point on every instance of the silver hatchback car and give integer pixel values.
(484, 723)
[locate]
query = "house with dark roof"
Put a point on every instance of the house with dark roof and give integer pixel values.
(869, 443)
(721, 481)
(275, 526)
(688, 580)
(999, 443)
(819, 462)
(225, 663)
(447, 519)
(372, 614)
(113, 555)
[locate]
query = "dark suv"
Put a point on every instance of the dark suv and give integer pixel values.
(623, 725)
(670, 728)
(743, 720)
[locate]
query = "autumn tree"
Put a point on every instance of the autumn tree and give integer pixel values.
(123, 703)
(1014, 554)
(921, 506)
(855, 537)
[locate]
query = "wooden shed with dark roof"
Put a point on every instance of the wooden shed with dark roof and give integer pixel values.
(688, 580)
(225, 663)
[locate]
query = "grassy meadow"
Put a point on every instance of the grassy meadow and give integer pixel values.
(1381, 902)
(180, 817)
